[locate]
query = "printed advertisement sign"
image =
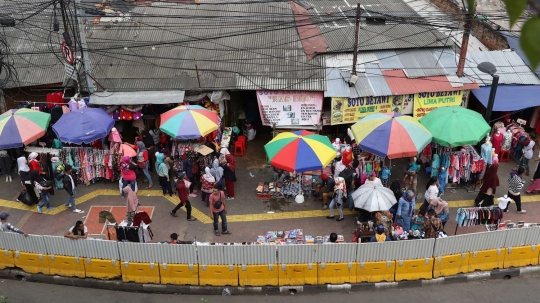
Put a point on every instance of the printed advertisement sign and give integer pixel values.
(290, 108)
(350, 110)
(426, 102)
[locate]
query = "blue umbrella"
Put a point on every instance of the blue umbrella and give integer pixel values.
(83, 126)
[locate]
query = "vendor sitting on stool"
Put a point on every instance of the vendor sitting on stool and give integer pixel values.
(380, 236)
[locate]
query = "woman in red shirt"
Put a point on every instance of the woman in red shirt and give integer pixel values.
(33, 163)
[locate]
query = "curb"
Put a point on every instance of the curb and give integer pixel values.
(118, 285)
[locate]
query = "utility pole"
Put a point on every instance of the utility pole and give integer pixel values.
(355, 50)
(464, 42)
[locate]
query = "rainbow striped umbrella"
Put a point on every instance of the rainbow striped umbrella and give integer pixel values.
(19, 127)
(391, 135)
(189, 122)
(300, 151)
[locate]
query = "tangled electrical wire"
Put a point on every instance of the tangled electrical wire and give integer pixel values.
(7, 71)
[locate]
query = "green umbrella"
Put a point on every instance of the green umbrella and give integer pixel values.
(455, 126)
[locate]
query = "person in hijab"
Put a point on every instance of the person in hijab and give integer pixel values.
(217, 172)
(170, 164)
(183, 195)
(208, 181)
(22, 165)
(491, 182)
(127, 168)
(229, 173)
(163, 174)
(441, 209)
(132, 203)
(406, 206)
(142, 161)
(33, 163)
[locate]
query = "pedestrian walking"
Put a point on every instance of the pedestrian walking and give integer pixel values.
(43, 186)
(5, 226)
(71, 188)
(142, 162)
(229, 172)
(78, 231)
(183, 194)
(163, 174)
(340, 191)
(207, 185)
(128, 169)
(217, 172)
(218, 208)
(515, 184)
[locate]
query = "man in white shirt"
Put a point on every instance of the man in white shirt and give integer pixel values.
(527, 154)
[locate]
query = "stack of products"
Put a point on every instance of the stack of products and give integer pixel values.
(295, 236)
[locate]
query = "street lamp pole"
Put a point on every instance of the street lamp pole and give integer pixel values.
(491, 99)
(489, 68)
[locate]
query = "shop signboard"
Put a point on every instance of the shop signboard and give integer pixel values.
(350, 110)
(426, 102)
(290, 108)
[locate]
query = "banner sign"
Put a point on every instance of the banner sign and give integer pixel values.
(350, 110)
(426, 102)
(290, 108)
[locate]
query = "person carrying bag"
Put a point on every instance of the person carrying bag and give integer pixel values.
(218, 208)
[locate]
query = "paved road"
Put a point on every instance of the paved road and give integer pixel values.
(516, 290)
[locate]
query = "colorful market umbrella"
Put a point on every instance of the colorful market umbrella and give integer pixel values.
(189, 122)
(83, 126)
(455, 126)
(127, 150)
(19, 127)
(391, 135)
(300, 151)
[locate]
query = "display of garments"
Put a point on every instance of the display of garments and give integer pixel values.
(507, 140)
(487, 152)
(479, 216)
(497, 141)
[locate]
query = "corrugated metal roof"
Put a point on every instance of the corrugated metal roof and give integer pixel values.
(510, 68)
(34, 49)
(335, 19)
(234, 47)
(412, 63)
(401, 85)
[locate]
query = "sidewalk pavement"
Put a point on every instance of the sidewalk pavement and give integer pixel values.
(248, 217)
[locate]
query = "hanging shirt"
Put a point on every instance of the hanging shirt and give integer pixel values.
(503, 202)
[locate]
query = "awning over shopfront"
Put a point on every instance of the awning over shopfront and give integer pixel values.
(137, 98)
(510, 97)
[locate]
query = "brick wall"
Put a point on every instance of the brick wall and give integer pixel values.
(490, 37)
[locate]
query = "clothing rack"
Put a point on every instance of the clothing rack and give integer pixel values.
(468, 209)
(40, 150)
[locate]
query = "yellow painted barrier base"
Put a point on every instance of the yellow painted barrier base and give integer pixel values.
(179, 274)
(336, 273)
(414, 269)
(451, 265)
(521, 256)
(486, 260)
(102, 269)
(66, 266)
(374, 272)
(258, 275)
(218, 275)
(32, 263)
(6, 258)
(140, 272)
(297, 274)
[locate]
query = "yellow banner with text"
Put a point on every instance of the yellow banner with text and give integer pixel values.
(426, 102)
(350, 110)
